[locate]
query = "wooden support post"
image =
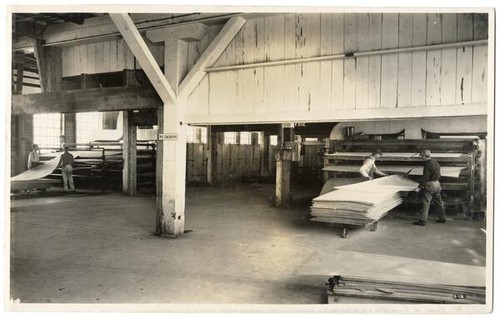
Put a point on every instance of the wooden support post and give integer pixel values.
(129, 155)
(254, 138)
(283, 166)
(264, 153)
(160, 228)
(22, 126)
(173, 170)
(220, 138)
(197, 135)
(171, 153)
(211, 156)
(326, 161)
(281, 135)
(19, 128)
(70, 128)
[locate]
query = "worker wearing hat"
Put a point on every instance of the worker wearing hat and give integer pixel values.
(430, 189)
(369, 169)
(66, 164)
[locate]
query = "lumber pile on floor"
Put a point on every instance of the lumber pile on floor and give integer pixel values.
(352, 207)
(407, 292)
(361, 203)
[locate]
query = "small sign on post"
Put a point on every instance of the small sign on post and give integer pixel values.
(167, 136)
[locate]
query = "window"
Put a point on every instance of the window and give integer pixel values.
(230, 138)
(47, 130)
(245, 138)
(89, 128)
(86, 127)
(273, 140)
(110, 120)
(196, 135)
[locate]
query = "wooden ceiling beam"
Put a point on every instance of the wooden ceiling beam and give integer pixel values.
(188, 32)
(25, 44)
(102, 28)
(87, 100)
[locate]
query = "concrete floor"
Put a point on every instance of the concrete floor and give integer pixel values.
(238, 249)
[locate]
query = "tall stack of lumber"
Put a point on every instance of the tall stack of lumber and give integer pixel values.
(408, 292)
(361, 203)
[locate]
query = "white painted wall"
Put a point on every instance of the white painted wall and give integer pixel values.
(402, 84)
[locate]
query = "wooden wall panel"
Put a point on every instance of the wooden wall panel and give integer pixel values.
(375, 61)
(99, 58)
(389, 77)
(417, 79)
(67, 61)
(405, 60)
(464, 76)
(290, 86)
(350, 45)
(259, 56)
(120, 47)
(418, 75)
(103, 57)
(362, 63)
(465, 32)
(91, 58)
(113, 60)
(449, 60)
(480, 26)
(325, 67)
(301, 44)
(448, 76)
(246, 43)
(235, 162)
(82, 63)
(337, 65)
(433, 80)
(465, 26)
(312, 75)
(274, 32)
(480, 75)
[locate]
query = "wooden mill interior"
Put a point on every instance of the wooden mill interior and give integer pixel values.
(217, 158)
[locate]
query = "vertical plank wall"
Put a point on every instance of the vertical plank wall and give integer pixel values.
(443, 77)
(103, 57)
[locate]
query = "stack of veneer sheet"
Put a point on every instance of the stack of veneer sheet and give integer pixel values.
(382, 278)
(361, 203)
(408, 292)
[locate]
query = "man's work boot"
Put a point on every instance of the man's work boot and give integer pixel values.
(419, 222)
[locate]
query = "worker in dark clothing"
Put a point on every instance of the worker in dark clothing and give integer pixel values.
(430, 189)
(66, 164)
